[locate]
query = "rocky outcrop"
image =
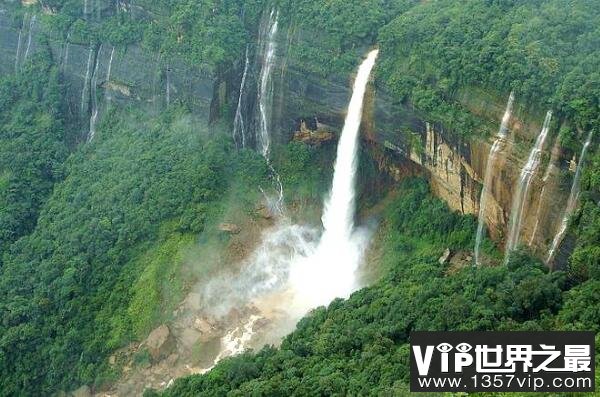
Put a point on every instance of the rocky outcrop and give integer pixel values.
(230, 228)
(312, 137)
(160, 343)
(404, 142)
(311, 109)
(126, 76)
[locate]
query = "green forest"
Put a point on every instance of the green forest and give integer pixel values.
(101, 241)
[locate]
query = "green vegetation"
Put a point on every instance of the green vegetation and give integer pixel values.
(332, 35)
(94, 240)
(32, 146)
(359, 346)
(546, 51)
(97, 270)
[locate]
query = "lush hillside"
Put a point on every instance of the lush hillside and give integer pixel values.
(546, 51)
(142, 190)
(360, 346)
(94, 237)
(32, 146)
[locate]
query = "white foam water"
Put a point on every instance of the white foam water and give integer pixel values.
(265, 89)
(524, 183)
(294, 264)
(571, 202)
(496, 148)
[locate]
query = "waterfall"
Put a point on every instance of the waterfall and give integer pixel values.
(330, 272)
(168, 87)
(108, 72)
(94, 98)
(86, 80)
(489, 168)
(293, 270)
(520, 196)
(571, 202)
(265, 89)
(31, 26)
(19, 39)
(65, 57)
(238, 122)
(540, 202)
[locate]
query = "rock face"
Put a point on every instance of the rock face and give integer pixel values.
(119, 76)
(312, 137)
(230, 228)
(311, 109)
(160, 343)
(405, 142)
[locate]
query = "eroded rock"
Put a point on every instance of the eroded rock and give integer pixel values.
(231, 228)
(312, 137)
(160, 343)
(445, 257)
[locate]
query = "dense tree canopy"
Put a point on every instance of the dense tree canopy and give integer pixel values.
(91, 237)
(32, 146)
(360, 346)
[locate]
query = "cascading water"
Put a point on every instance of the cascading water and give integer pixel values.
(239, 133)
(86, 80)
(496, 148)
(19, 39)
(94, 98)
(108, 72)
(519, 199)
(293, 270)
(330, 272)
(265, 89)
(571, 202)
(31, 26)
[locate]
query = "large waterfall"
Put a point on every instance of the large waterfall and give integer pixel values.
(489, 168)
(265, 89)
(571, 202)
(525, 178)
(330, 272)
(293, 270)
(239, 130)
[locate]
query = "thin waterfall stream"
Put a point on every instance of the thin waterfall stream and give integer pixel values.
(571, 202)
(239, 131)
(94, 97)
(496, 148)
(265, 89)
(524, 183)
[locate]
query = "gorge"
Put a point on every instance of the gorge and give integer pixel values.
(196, 179)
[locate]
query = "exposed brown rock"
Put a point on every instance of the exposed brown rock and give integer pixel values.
(229, 228)
(160, 343)
(264, 212)
(445, 257)
(311, 137)
(83, 391)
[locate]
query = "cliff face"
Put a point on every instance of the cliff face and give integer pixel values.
(126, 76)
(405, 140)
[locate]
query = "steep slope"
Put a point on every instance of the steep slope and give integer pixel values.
(360, 346)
